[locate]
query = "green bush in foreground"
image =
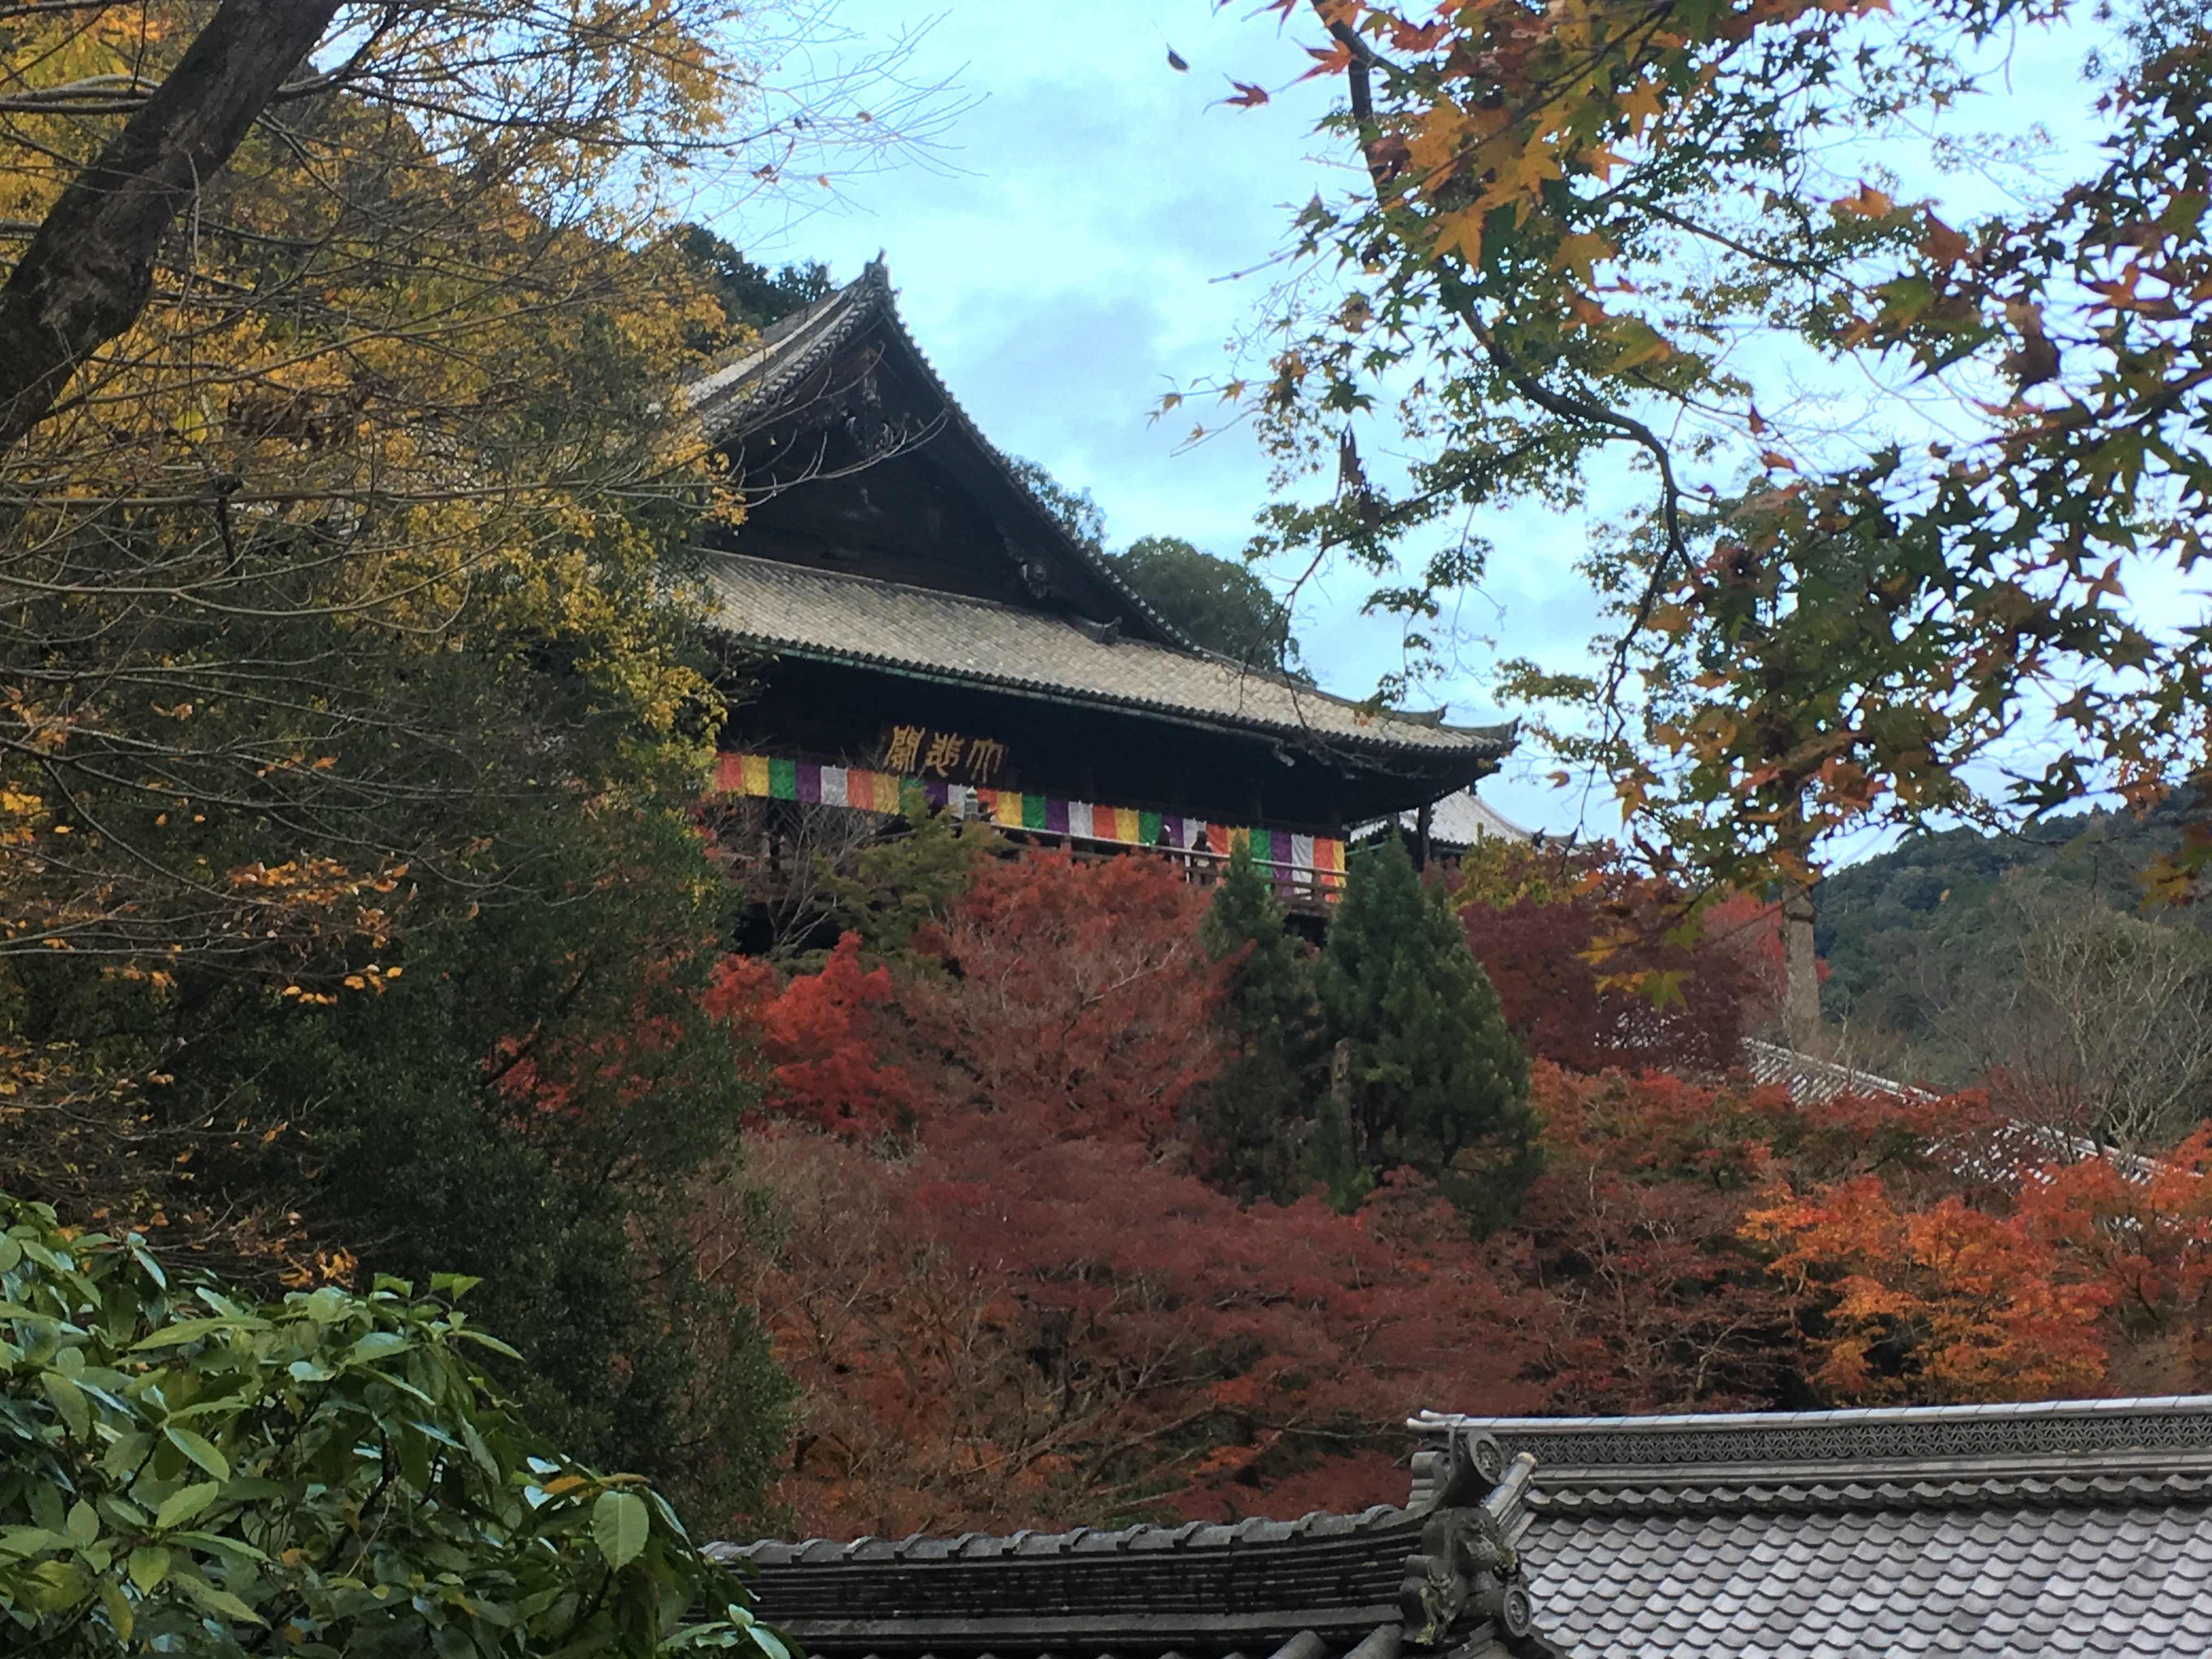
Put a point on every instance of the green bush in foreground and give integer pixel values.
(180, 1474)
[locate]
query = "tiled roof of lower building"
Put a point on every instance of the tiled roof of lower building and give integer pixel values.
(2044, 1531)
(1436, 1577)
(2065, 1528)
(857, 619)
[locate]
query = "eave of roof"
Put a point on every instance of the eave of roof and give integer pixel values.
(867, 623)
(2009, 1446)
(1363, 1586)
(746, 391)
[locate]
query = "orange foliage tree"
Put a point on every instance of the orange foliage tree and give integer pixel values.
(2090, 1277)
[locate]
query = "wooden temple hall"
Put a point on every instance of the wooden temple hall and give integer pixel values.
(926, 630)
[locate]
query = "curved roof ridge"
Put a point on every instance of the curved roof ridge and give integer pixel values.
(1076, 1541)
(2124, 1405)
(756, 377)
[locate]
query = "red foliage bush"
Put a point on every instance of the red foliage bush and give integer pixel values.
(1077, 992)
(1632, 1241)
(1588, 970)
(822, 1037)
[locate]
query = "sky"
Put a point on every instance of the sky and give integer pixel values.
(1068, 247)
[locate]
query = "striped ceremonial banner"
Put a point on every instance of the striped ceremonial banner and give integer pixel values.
(768, 777)
(1329, 860)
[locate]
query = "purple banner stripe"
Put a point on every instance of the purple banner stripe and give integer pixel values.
(809, 781)
(1055, 816)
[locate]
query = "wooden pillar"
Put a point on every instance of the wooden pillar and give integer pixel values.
(1800, 972)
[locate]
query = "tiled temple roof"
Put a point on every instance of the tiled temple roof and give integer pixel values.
(1148, 665)
(1433, 1578)
(858, 619)
(752, 386)
(2072, 1527)
(2043, 1531)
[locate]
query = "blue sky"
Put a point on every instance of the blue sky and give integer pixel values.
(1066, 251)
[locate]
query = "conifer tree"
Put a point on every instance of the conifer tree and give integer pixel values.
(1252, 1117)
(1430, 1077)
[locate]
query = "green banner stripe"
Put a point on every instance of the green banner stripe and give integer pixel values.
(783, 779)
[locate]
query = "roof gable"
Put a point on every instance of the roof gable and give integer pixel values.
(842, 387)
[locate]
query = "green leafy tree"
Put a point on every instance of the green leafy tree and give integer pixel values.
(186, 1472)
(901, 891)
(1218, 604)
(1253, 1119)
(524, 1106)
(1599, 228)
(749, 296)
(1428, 1075)
(1078, 510)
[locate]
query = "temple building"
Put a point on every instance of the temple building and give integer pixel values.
(2041, 1531)
(923, 626)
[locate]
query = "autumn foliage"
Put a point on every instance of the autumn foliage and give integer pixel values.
(1031, 1307)
(988, 1249)
(1599, 967)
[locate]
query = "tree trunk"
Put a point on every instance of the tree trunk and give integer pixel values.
(90, 270)
(1340, 1090)
(1801, 974)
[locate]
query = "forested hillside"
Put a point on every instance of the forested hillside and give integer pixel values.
(1960, 952)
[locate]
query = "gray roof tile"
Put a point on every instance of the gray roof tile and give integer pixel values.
(2025, 1583)
(859, 620)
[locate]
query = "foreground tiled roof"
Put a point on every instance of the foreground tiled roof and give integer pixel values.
(2068, 1529)
(1430, 1578)
(857, 619)
(2048, 1531)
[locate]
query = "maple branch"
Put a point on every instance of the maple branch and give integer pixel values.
(90, 270)
(1683, 222)
(1576, 409)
